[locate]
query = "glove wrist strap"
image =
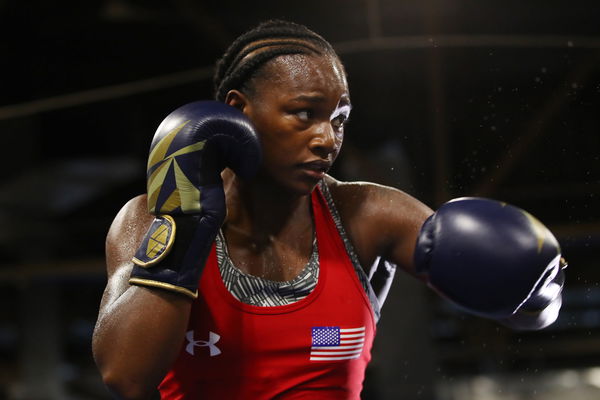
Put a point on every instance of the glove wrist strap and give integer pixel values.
(173, 263)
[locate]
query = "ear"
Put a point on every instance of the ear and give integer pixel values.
(236, 99)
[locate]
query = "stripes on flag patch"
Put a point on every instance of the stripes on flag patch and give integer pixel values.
(330, 343)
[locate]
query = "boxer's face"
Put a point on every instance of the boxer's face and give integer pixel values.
(299, 104)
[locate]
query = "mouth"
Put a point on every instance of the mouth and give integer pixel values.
(315, 169)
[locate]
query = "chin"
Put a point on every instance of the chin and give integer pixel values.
(295, 186)
(298, 188)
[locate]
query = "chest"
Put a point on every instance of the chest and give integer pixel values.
(277, 258)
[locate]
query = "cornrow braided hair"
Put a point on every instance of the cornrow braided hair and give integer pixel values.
(253, 49)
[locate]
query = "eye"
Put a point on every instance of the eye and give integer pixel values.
(340, 116)
(304, 115)
(339, 121)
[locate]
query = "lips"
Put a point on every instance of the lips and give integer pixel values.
(317, 165)
(316, 169)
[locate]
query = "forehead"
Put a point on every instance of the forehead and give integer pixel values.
(300, 73)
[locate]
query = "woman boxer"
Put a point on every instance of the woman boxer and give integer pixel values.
(254, 286)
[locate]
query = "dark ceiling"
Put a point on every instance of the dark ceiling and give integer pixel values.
(451, 98)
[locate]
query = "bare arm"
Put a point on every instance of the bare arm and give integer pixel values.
(139, 331)
(385, 222)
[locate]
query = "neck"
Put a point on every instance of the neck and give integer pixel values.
(263, 211)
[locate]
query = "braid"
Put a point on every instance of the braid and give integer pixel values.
(250, 51)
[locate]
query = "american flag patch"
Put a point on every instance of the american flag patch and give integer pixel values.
(331, 343)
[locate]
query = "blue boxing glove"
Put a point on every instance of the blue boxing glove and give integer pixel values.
(190, 149)
(493, 260)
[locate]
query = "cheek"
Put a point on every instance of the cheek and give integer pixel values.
(277, 137)
(337, 151)
(277, 149)
(339, 140)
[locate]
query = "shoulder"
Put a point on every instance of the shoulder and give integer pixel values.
(380, 220)
(366, 198)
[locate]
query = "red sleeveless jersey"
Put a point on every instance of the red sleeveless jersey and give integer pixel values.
(317, 347)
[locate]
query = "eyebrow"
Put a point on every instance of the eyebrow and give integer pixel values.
(310, 98)
(344, 101)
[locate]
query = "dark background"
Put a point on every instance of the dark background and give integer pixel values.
(451, 98)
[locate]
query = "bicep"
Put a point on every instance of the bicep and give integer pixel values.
(403, 226)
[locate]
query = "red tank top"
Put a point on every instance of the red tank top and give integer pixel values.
(317, 347)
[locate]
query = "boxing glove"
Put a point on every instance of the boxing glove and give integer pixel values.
(491, 259)
(190, 149)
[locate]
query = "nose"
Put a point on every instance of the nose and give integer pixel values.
(324, 141)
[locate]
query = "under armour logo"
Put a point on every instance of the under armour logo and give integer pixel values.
(210, 343)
